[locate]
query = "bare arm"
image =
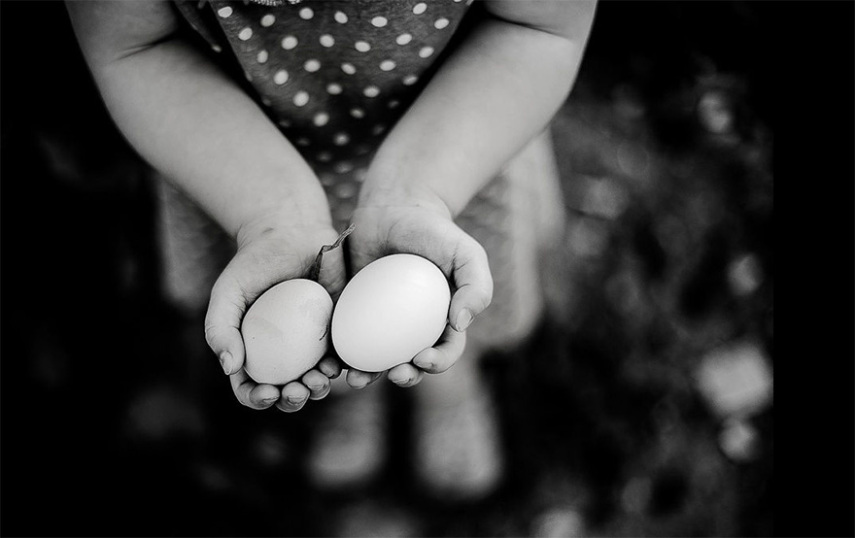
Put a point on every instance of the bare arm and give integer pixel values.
(189, 120)
(495, 93)
(491, 97)
(207, 136)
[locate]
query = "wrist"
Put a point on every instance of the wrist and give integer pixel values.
(293, 215)
(388, 191)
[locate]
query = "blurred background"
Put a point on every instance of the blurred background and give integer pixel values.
(642, 407)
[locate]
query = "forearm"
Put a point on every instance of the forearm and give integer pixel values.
(492, 96)
(204, 133)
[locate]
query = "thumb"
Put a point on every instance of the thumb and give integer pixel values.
(473, 282)
(222, 323)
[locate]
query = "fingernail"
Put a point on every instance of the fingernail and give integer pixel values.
(464, 318)
(423, 364)
(271, 399)
(294, 400)
(225, 362)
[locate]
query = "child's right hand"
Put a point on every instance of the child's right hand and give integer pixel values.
(270, 251)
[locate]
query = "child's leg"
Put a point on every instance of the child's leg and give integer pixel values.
(457, 434)
(349, 446)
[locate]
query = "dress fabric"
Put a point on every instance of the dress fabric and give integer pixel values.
(334, 76)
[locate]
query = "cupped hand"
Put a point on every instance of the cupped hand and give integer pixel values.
(418, 222)
(271, 250)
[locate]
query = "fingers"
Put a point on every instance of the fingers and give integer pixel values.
(250, 393)
(317, 383)
(294, 397)
(358, 379)
(314, 385)
(474, 283)
(222, 323)
(405, 375)
(330, 367)
(441, 357)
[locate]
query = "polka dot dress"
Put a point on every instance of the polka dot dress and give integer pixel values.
(335, 76)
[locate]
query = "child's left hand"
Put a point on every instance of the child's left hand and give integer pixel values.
(418, 222)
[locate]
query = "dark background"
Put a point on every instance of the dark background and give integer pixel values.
(115, 420)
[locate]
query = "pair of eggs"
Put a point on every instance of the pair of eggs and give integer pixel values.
(391, 310)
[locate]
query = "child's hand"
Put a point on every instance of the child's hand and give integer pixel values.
(270, 251)
(419, 222)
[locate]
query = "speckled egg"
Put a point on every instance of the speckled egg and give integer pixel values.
(285, 331)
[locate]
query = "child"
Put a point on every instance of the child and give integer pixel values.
(285, 120)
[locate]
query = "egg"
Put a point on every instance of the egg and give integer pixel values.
(285, 331)
(392, 309)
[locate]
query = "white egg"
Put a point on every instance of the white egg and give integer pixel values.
(391, 310)
(285, 331)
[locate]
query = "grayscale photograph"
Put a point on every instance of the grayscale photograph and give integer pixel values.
(388, 268)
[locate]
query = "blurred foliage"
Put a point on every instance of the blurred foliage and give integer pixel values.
(115, 423)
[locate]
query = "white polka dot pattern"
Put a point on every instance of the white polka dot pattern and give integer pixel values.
(289, 42)
(334, 76)
(343, 167)
(321, 119)
(301, 98)
(281, 77)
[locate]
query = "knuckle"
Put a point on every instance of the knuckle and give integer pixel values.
(246, 402)
(245, 399)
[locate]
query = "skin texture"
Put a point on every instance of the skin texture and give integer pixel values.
(522, 59)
